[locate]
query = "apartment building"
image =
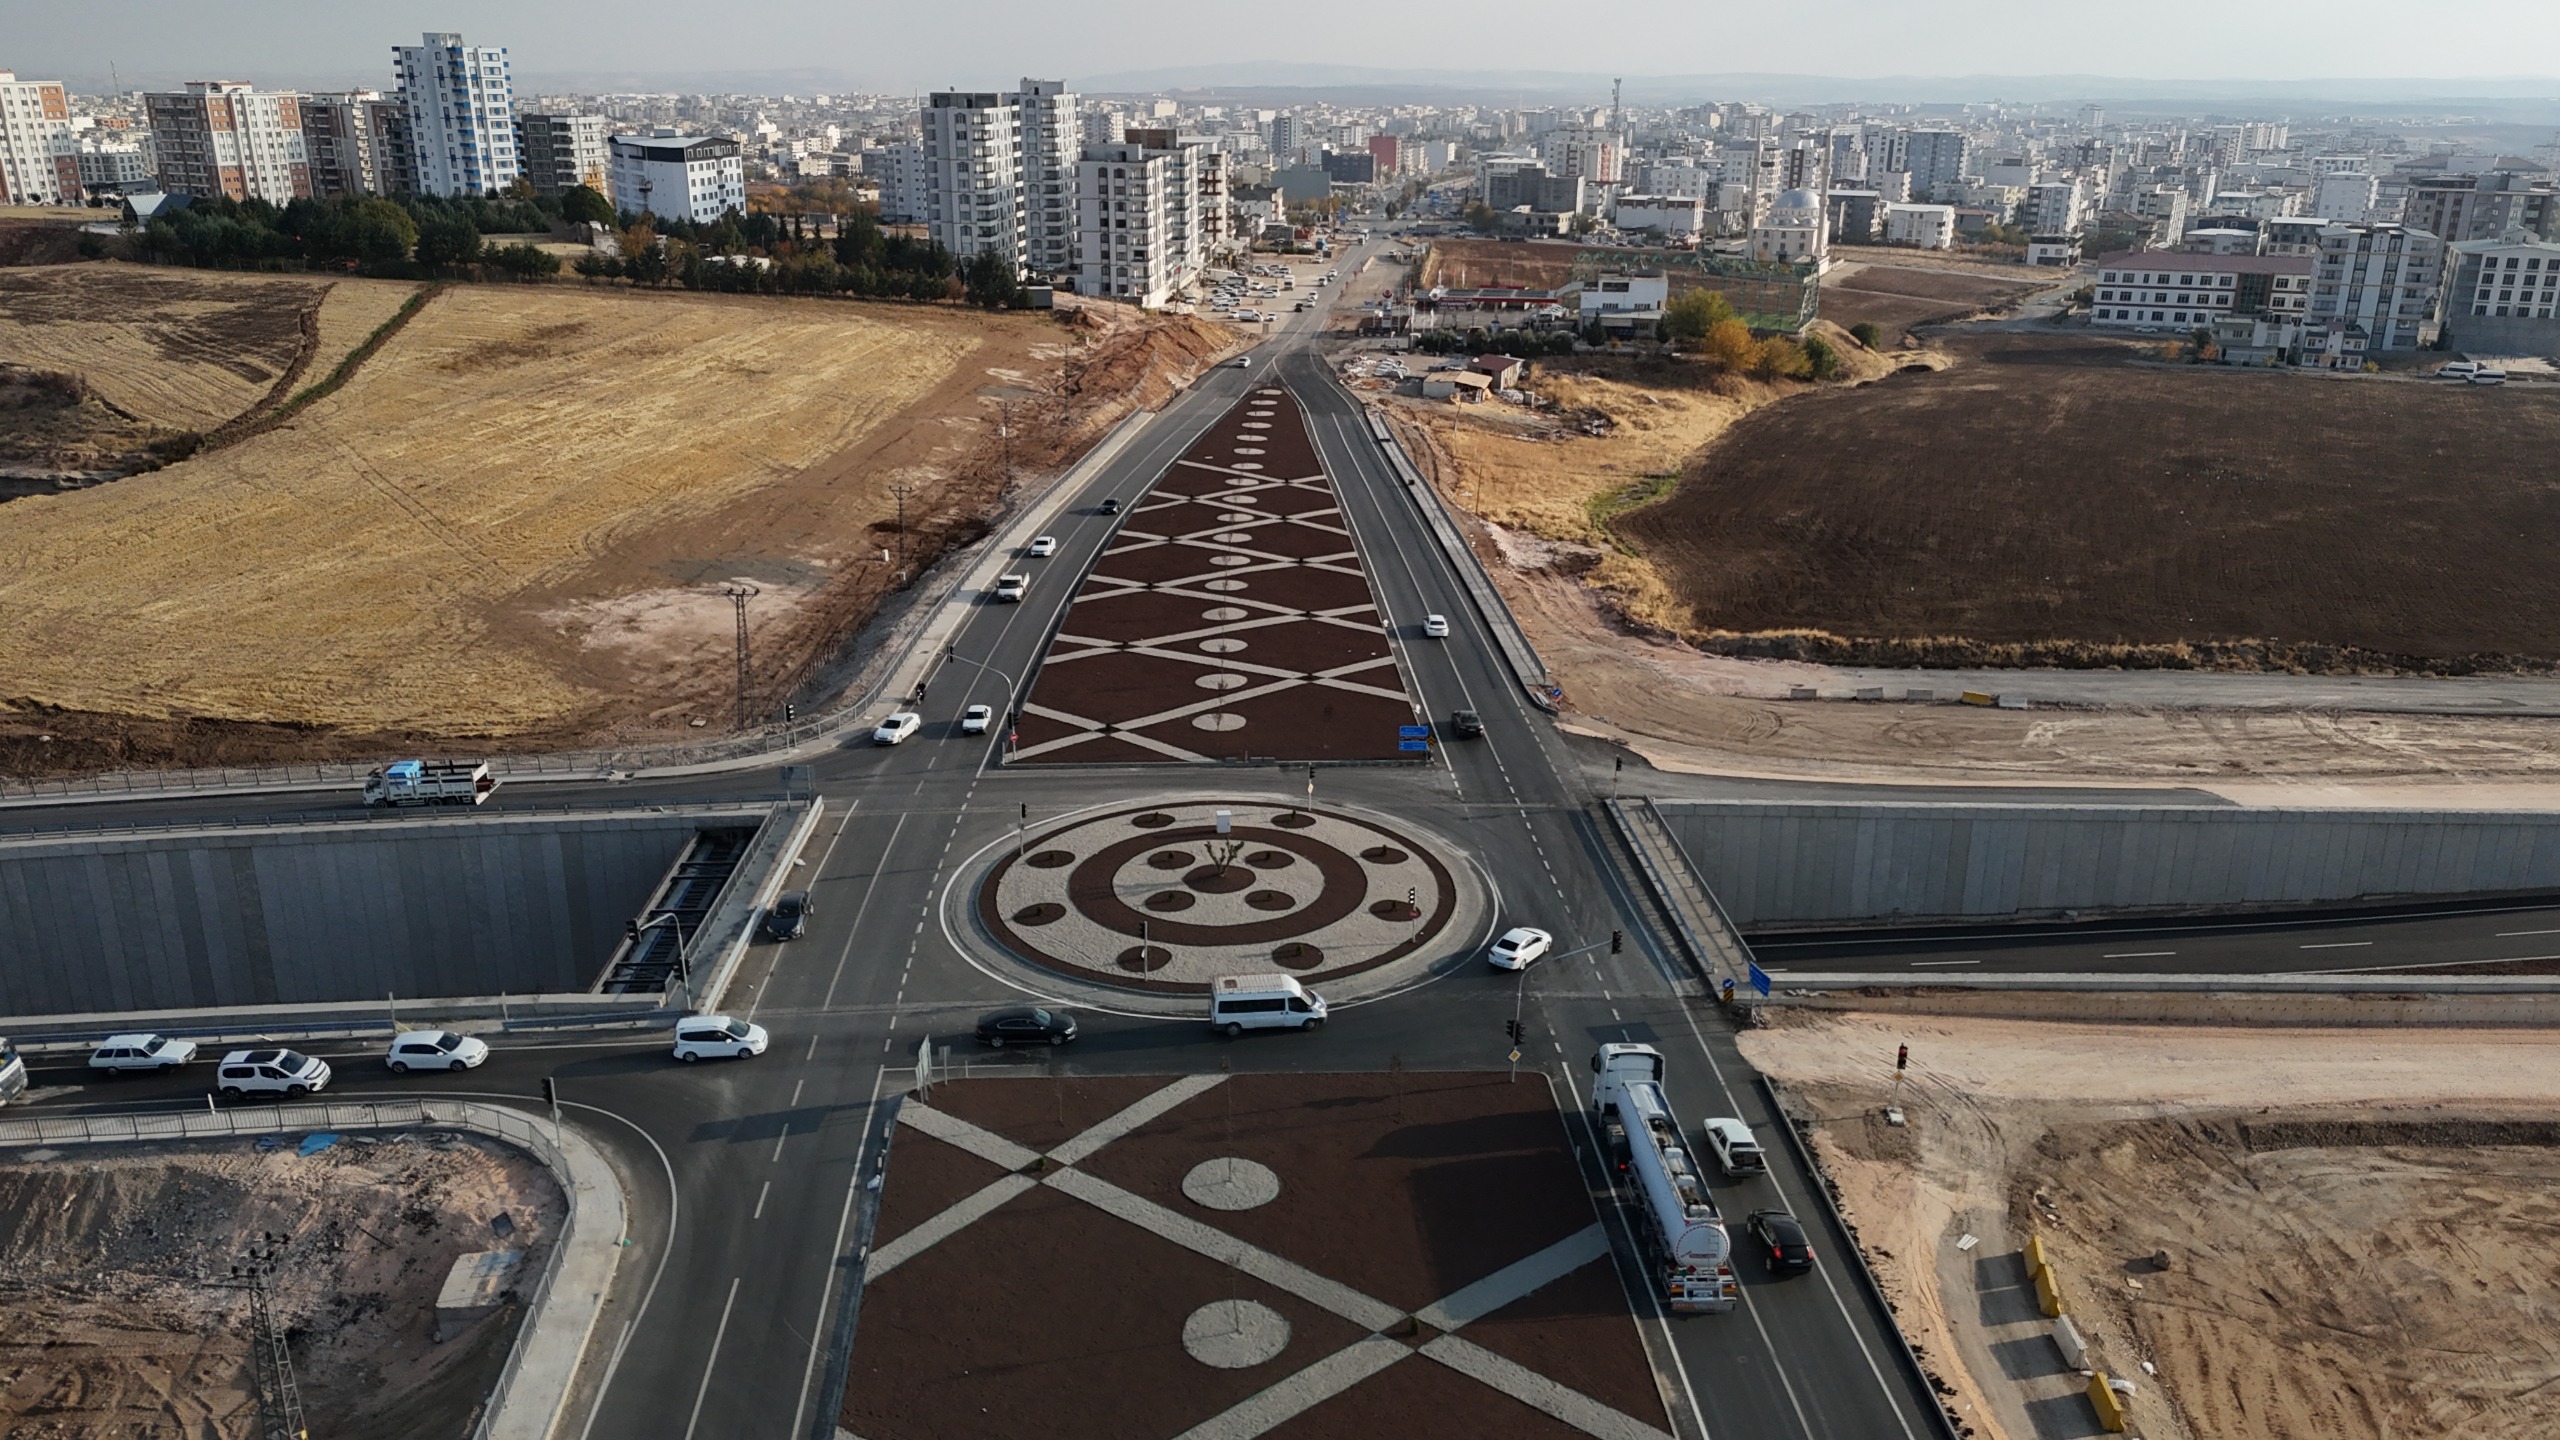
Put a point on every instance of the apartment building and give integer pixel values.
(1388, 153)
(337, 140)
(2386, 279)
(2482, 207)
(2054, 207)
(560, 152)
(1936, 160)
(228, 138)
(461, 108)
(2344, 197)
(899, 170)
(2504, 298)
(1137, 222)
(1531, 185)
(1674, 215)
(1051, 141)
(1930, 227)
(2180, 290)
(1594, 154)
(114, 163)
(395, 149)
(37, 163)
(680, 177)
(973, 172)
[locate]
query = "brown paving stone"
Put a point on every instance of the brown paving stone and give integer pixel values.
(1418, 1398)
(1384, 1183)
(1042, 1114)
(930, 1178)
(1579, 1332)
(1050, 1318)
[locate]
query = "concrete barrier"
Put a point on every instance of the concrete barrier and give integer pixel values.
(2066, 1338)
(2049, 1294)
(2034, 1253)
(2108, 1404)
(2315, 1001)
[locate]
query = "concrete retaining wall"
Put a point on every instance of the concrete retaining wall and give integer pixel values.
(1779, 866)
(185, 919)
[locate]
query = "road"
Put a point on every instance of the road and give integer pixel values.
(748, 1176)
(2502, 937)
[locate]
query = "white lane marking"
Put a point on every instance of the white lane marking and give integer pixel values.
(1923, 964)
(2511, 934)
(778, 1139)
(704, 1392)
(2339, 945)
(2139, 955)
(826, 1291)
(760, 1196)
(859, 911)
(795, 1091)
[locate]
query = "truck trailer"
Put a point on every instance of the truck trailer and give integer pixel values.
(430, 782)
(1688, 1255)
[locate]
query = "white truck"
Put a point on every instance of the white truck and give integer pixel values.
(1687, 1252)
(430, 782)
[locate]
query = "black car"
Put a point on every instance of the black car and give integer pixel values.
(789, 917)
(1466, 724)
(1026, 1025)
(1111, 506)
(1782, 1240)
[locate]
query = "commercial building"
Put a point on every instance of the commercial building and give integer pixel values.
(680, 177)
(1930, 227)
(2387, 279)
(2505, 297)
(1350, 167)
(37, 163)
(1388, 153)
(1618, 294)
(461, 106)
(562, 152)
(223, 137)
(2145, 289)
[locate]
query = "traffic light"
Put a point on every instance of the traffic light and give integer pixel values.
(1514, 1029)
(790, 712)
(1617, 942)
(1901, 1058)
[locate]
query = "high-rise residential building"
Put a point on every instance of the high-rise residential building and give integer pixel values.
(973, 172)
(2483, 207)
(1936, 160)
(2054, 207)
(37, 163)
(462, 115)
(679, 177)
(228, 138)
(1138, 227)
(394, 149)
(337, 139)
(1288, 138)
(1594, 154)
(1051, 141)
(115, 163)
(1388, 151)
(562, 152)
(900, 172)
(2343, 196)
(2380, 284)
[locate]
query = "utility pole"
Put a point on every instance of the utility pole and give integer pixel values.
(738, 597)
(270, 1353)
(902, 489)
(1004, 431)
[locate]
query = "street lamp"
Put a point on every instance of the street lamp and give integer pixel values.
(1006, 677)
(632, 930)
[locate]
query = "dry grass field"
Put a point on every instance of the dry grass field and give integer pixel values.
(2046, 502)
(1895, 298)
(516, 518)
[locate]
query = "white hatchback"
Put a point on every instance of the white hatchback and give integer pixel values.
(897, 728)
(141, 1052)
(717, 1037)
(1045, 545)
(1519, 948)
(435, 1050)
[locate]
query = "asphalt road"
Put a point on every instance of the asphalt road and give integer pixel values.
(747, 1176)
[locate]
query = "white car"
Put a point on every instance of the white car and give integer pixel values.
(1044, 545)
(1244, 362)
(975, 719)
(141, 1052)
(1737, 1150)
(1436, 626)
(897, 728)
(435, 1050)
(1519, 948)
(718, 1037)
(271, 1072)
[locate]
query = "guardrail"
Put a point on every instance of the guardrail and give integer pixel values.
(299, 819)
(1507, 635)
(495, 1121)
(1715, 948)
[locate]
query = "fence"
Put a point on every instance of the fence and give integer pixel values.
(496, 1121)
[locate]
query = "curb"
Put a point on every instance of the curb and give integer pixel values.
(1507, 635)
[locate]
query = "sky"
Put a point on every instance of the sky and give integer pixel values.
(987, 44)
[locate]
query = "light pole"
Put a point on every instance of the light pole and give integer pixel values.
(902, 489)
(634, 929)
(954, 655)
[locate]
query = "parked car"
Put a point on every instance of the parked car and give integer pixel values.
(718, 1037)
(1735, 1147)
(1026, 1025)
(1466, 724)
(1781, 1239)
(788, 919)
(141, 1052)
(1519, 948)
(271, 1072)
(897, 728)
(435, 1050)
(1044, 546)
(975, 719)
(1436, 626)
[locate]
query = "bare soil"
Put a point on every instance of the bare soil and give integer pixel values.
(1898, 299)
(115, 1270)
(2352, 1223)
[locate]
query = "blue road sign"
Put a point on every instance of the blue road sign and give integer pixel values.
(1760, 980)
(1414, 746)
(1413, 732)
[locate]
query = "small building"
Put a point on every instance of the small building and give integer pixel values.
(1609, 294)
(2175, 288)
(1794, 231)
(2335, 345)
(2255, 339)
(1455, 385)
(1671, 215)
(678, 177)
(1929, 227)
(2058, 251)
(141, 207)
(1502, 370)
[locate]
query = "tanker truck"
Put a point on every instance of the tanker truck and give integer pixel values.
(1688, 1256)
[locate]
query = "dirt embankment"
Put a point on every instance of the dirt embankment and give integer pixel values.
(116, 1273)
(2306, 1233)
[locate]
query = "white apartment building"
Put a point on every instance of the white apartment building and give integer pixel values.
(973, 173)
(1794, 231)
(680, 177)
(224, 137)
(2054, 207)
(37, 163)
(1051, 140)
(1685, 175)
(2504, 279)
(1663, 214)
(110, 161)
(559, 153)
(2387, 279)
(1594, 154)
(462, 115)
(2178, 290)
(899, 170)
(1137, 223)
(1930, 227)
(2344, 196)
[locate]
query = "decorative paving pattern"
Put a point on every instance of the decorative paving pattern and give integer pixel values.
(1229, 619)
(1152, 898)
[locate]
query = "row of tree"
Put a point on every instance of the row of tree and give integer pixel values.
(762, 254)
(384, 234)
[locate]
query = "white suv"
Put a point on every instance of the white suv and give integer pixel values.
(1736, 1149)
(141, 1052)
(272, 1072)
(435, 1050)
(718, 1037)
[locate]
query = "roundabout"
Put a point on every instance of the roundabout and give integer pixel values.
(1164, 898)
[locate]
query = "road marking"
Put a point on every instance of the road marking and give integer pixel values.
(813, 1049)
(778, 1139)
(2339, 945)
(2139, 955)
(712, 1359)
(1923, 964)
(2510, 934)
(867, 891)
(826, 1291)
(760, 1194)
(795, 1091)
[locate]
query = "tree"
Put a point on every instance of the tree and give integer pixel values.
(524, 262)
(1821, 361)
(596, 265)
(1481, 217)
(1693, 313)
(581, 205)
(1866, 333)
(381, 232)
(992, 283)
(448, 239)
(1726, 345)
(1778, 358)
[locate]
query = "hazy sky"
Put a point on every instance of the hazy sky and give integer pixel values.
(985, 43)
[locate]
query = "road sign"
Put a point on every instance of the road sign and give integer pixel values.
(1760, 980)
(1515, 1057)
(1411, 747)
(1414, 732)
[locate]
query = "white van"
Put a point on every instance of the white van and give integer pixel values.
(1238, 1003)
(2457, 369)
